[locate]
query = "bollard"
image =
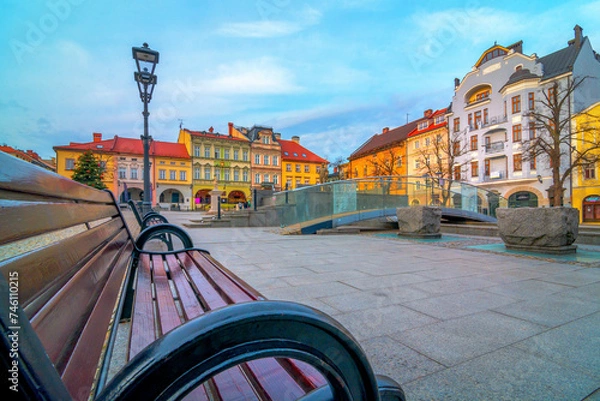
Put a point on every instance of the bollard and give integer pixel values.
(219, 208)
(254, 199)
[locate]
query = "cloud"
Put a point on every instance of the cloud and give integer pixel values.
(267, 28)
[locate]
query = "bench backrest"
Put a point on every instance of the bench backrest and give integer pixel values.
(68, 282)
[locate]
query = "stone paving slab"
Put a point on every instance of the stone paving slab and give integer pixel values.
(446, 322)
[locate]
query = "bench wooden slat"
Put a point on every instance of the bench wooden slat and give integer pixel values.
(229, 289)
(168, 316)
(25, 219)
(233, 385)
(59, 323)
(211, 298)
(308, 376)
(142, 322)
(272, 379)
(81, 370)
(47, 269)
(21, 177)
(189, 301)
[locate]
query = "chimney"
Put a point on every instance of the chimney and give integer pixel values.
(97, 136)
(211, 130)
(277, 136)
(427, 113)
(230, 129)
(578, 36)
(296, 139)
(385, 130)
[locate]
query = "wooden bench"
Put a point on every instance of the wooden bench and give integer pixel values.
(149, 219)
(71, 273)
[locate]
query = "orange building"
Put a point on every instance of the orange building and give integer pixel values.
(300, 166)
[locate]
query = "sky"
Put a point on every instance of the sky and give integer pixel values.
(333, 72)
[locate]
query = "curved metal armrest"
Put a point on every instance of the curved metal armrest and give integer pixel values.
(153, 217)
(160, 231)
(203, 347)
(389, 390)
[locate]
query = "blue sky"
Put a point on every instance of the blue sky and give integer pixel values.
(332, 72)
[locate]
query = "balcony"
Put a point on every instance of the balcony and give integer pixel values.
(491, 121)
(494, 147)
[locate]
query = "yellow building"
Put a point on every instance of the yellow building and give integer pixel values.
(586, 181)
(301, 167)
(67, 155)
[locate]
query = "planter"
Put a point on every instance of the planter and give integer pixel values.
(419, 221)
(547, 230)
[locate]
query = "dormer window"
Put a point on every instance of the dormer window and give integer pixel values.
(439, 120)
(423, 125)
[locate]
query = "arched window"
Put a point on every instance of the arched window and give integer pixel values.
(523, 199)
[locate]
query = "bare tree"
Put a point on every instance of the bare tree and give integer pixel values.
(552, 136)
(439, 159)
(385, 163)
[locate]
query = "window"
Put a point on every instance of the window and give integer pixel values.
(226, 154)
(589, 171)
(266, 160)
(439, 119)
(227, 174)
(207, 151)
(275, 179)
(505, 112)
(306, 181)
(517, 162)
(427, 141)
(275, 160)
(306, 168)
(478, 119)
(236, 175)
(70, 165)
(516, 133)
(470, 118)
(207, 173)
(217, 152)
(256, 159)
(516, 104)
(475, 169)
(266, 140)
(218, 173)
(457, 172)
(245, 156)
(456, 124)
(257, 178)
(473, 142)
(197, 173)
(532, 130)
(288, 184)
(245, 175)
(172, 175)
(423, 125)
(297, 168)
(123, 172)
(416, 144)
(417, 164)
(266, 178)
(532, 165)
(486, 167)
(196, 151)
(399, 161)
(486, 117)
(552, 95)
(134, 174)
(162, 174)
(531, 100)
(182, 175)
(288, 167)
(236, 154)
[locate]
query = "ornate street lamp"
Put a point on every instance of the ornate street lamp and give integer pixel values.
(145, 58)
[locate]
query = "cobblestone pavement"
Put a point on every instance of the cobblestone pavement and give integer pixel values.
(447, 321)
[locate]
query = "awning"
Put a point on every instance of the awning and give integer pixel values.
(495, 131)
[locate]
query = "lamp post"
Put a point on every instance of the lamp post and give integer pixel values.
(146, 80)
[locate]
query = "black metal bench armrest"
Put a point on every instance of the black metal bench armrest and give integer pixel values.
(160, 231)
(203, 347)
(389, 390)
(153, 218)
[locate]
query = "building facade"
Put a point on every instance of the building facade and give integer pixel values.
(586, 178)
(300, 166)
(221, 160)
(265, 160)
(490, 116)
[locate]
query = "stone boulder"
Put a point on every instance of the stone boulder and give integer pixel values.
(419, 221)
(549, 230)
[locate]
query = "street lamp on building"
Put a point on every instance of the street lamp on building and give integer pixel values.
(145, 61)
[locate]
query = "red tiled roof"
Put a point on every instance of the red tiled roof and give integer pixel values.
(293, 151)
(214, 135)
(431, 126)
(131, 146)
